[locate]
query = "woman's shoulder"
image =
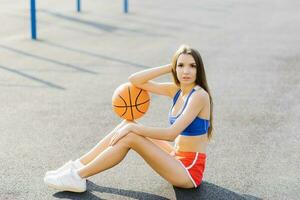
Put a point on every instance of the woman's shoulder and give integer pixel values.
(200, 94)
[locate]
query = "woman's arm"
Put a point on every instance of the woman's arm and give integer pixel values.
(143, 78)
(139, 129)
(152, 132)
(195, 105)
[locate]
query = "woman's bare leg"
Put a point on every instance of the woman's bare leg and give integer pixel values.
(162, 162)
(101, 146)
(164, 145)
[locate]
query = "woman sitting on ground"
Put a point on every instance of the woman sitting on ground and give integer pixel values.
(190, 127)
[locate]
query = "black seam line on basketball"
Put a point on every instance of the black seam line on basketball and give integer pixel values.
(130, 103)
(136, 102)
(125, 104)
(129, 106)
(140, 110)
(137, 96)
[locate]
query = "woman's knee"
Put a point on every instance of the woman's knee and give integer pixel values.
(130, 139)
(123, 123)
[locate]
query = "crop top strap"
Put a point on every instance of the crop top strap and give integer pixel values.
(185, 103)
(176, 97)
(174, 101)
(187, 99)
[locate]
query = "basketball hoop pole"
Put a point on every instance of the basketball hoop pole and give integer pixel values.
(33, 19)
(33, 15)
(125, 6)
(78, 6)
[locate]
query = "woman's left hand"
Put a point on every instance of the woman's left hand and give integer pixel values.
(122, 132)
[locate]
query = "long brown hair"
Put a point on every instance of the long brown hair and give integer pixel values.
(200, 77)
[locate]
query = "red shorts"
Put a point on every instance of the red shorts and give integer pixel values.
(193, 163)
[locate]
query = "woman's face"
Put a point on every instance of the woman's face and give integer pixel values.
(186, 69)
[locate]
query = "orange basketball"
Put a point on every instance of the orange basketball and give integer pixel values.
(130, 102)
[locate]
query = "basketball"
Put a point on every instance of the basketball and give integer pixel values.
(130, 102)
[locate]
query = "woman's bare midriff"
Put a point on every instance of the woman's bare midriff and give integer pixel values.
(191, 143)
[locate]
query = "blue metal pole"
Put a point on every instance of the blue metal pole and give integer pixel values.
(78, 6)
(125, 6)
(33, 19)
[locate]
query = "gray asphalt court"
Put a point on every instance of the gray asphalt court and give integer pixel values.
(56, 93)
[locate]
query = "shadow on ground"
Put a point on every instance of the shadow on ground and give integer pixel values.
(210, 191)
(92, 54)
(28, 76)
(42, 58)
(204, 191)
(97, 25)
(93, 188)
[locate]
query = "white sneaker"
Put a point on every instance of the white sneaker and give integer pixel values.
(67, 180)
(69, 164)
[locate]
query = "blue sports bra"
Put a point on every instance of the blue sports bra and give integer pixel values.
(198, 126)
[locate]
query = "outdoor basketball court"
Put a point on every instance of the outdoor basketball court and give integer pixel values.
(56, 93)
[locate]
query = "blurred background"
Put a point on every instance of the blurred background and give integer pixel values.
(56, 92)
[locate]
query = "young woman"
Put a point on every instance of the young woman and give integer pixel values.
(190, 119)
